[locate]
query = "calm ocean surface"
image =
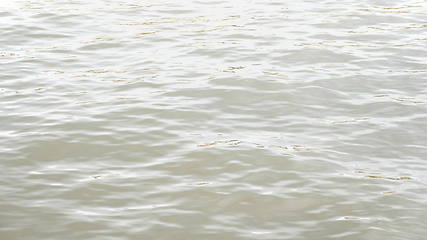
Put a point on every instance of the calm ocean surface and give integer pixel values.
(213, 120)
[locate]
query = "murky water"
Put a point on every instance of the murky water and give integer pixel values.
(243, 119)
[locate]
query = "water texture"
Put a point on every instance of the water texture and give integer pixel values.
(213, 120)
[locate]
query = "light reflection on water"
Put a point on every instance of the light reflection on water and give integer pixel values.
(213, 119)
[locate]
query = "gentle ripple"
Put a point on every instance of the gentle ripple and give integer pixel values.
(241, 119)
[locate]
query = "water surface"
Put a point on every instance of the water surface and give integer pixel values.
(229, 120)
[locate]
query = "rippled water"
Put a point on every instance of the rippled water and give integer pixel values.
(241, 119)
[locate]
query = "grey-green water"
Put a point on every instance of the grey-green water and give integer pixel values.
(213, 120)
